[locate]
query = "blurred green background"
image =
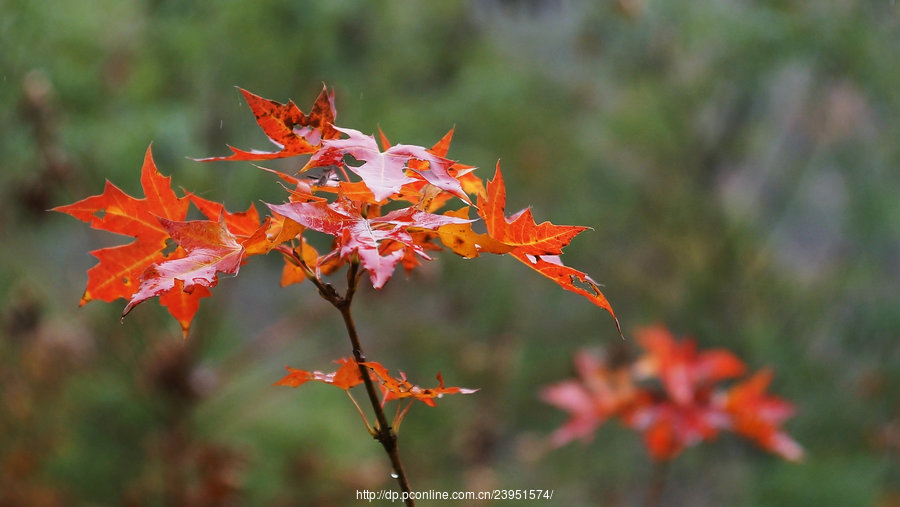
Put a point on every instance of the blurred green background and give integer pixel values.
(738, 161)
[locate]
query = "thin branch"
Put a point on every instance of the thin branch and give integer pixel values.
(383, 432)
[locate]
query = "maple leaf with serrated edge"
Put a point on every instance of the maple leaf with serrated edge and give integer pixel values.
(210, 248)
(519, 230)
(115, 211)
(287, 127)
(364, 236)
(383, 172)
(537, 245)
(120, 267)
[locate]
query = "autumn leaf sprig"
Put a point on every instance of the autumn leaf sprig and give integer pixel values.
(383, 206)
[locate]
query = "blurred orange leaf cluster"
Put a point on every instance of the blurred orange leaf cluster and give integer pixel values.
(673, 395)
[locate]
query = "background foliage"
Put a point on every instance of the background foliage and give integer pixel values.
(737, 160)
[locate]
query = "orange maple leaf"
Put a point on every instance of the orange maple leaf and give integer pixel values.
(120, 267)
(151, 221)
(538, 246)
(115, 211)
(520, 230)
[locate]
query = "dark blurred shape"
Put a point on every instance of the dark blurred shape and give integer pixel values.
(170, 369)
(22, 316)
(55, 166)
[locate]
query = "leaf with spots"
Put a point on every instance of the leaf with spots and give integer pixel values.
(287, 127)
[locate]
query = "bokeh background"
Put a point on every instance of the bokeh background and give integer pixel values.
(737, 160)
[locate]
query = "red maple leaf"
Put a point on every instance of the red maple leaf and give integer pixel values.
(153, 221)
(120, 267)
(287, 127)
(538, 246)
(758, 416)
(364, 236)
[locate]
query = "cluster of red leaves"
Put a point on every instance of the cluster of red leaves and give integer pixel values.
(349, 375)
(388, 207)
(673, 396)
